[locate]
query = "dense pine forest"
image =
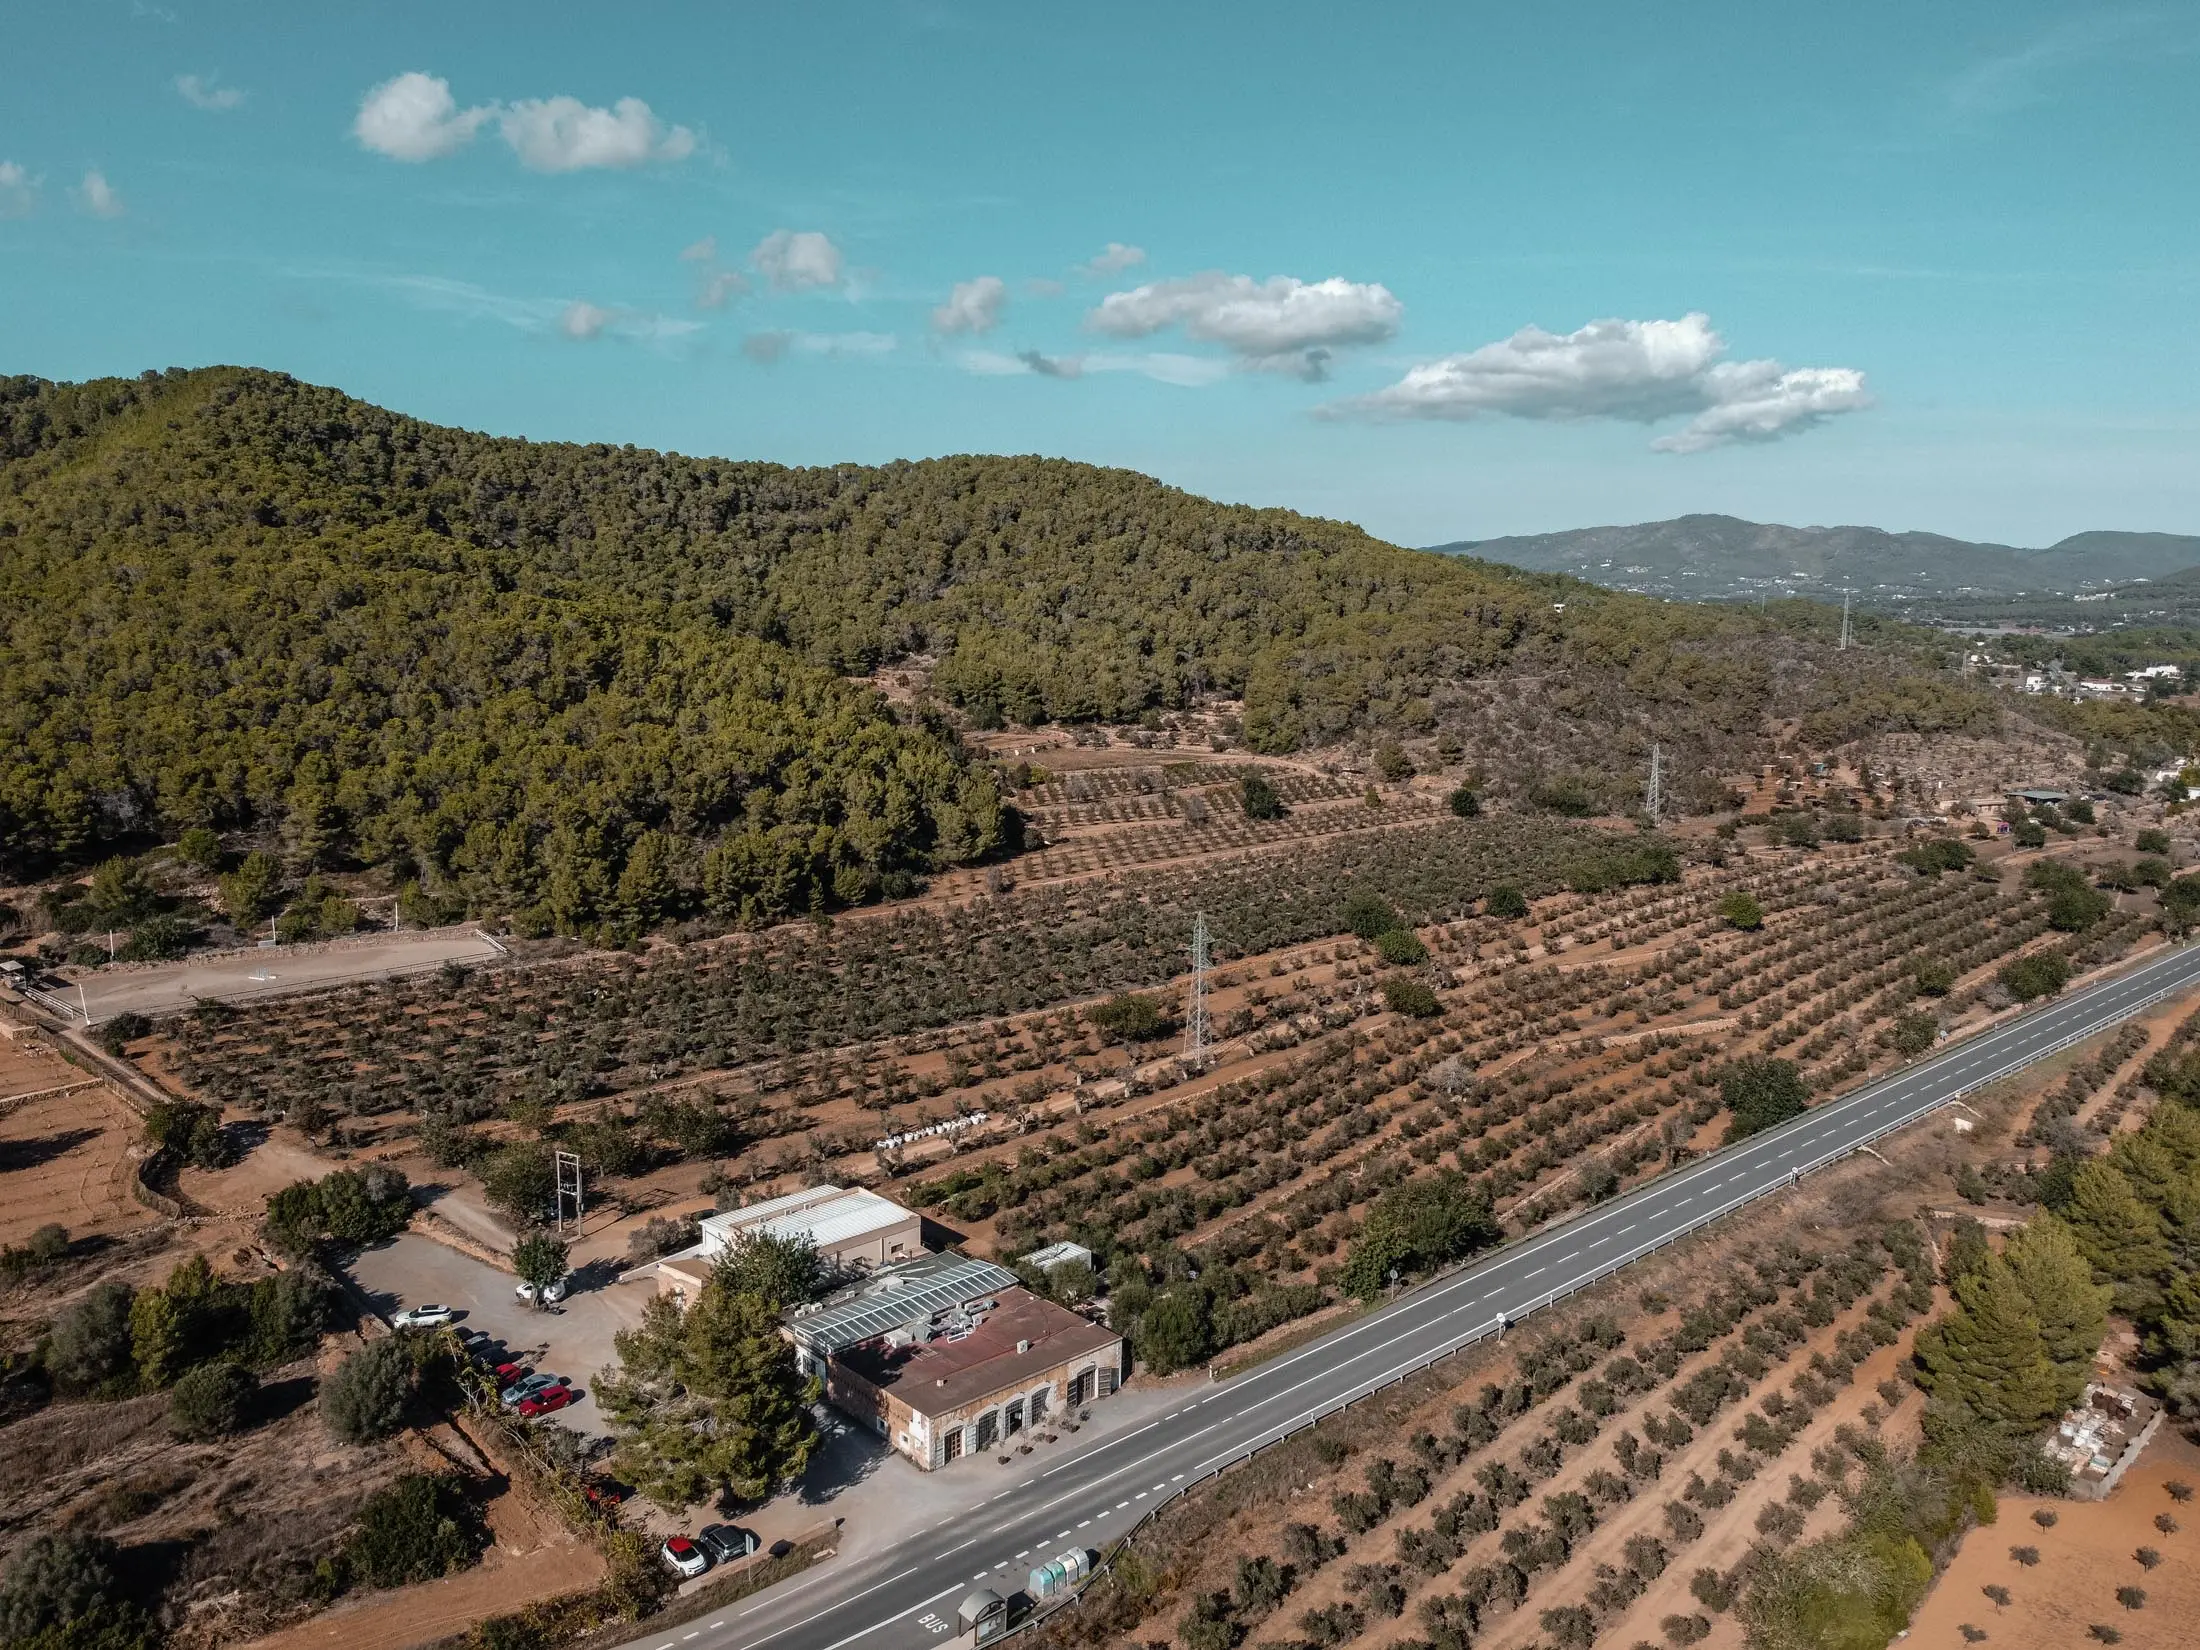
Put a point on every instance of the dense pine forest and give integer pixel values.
(570, 680)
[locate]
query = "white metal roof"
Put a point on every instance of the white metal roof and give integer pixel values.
(826, 1215)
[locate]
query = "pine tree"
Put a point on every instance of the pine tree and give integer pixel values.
(708, 1401)
(1987, 1357)
(2119, 1234)
(2071, 1308)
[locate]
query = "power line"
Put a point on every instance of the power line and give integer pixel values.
(568, 1167)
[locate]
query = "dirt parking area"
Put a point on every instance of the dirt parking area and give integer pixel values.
(2085, 1557)
(169, 988)
(573, 1339)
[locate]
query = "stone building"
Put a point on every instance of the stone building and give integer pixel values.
(947, 1356)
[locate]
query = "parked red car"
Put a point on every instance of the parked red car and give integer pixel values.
(550, 1398)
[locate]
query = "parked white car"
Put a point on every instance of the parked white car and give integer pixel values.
(685, 1556)
(550, 1296)
(428, 1316)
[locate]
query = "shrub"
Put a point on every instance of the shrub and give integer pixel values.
(211, 1401)
(1915, 1033)
(1401, 948)
(199, 846)
(192, 1131)
(1258, 797)
(1369, 915)
(2150, 841)
(1402, 995)
(2026, 1556)
(123, 1029)
(2040, 974)
(62, 1591)
(1131, 1017)
(1392, 762)
(1505, 900)
(417, 1529)
(2132, 1598)
(348, 1206)
(1465, 803)
(1761, 1093)
(89, 1349)
(1936, 855)
(367, 1395)
(1932, 977)
(1742, 911)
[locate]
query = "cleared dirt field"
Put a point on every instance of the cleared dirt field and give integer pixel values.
(65, 1158)
(2084, 1558)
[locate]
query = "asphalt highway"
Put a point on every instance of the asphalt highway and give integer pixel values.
(906, 1595)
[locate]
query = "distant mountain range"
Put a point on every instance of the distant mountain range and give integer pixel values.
(1709, 558)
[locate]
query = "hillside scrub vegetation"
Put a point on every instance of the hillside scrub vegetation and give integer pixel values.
(601, 687)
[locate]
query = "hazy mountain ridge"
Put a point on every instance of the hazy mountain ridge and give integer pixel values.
(1713, 557)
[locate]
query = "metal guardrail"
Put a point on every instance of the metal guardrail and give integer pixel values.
(1605, 1269)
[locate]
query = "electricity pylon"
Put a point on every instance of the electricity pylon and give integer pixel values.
(1195, 1008)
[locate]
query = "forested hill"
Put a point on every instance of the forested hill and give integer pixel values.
(566, 678)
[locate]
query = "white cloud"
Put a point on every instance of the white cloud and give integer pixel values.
(18, 190)
(415, 118)
(1760, 401)
(97, 196)
(719, 287)
(1642, 371)
(583, 320)
(1163, 366)
(767, 347)
(1114, 260)
(201, 93)
(797, 260)
(973, 307)
(563, 134)
(704, 251)
(1280, 324)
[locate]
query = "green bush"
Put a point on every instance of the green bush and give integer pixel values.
(1258, 797)
(2149, 841)
(2039, 974)
(1401, 948)
(1418, 1226)
(1761, 1093)
(1742, 911)
(1466, 802)
(346, 1206)
(417, 1529)
(1130, 1017)
(1937, 854)
(62, 1590)
(1369, 915)
(1915, 1033)
(88, 1349)
(112, 1035)
(1932, 977)
(1505, 900)
(211, 1401)
(366, 1397)
(1404, 995)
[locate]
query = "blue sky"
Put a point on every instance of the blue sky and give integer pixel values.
(1448, 271)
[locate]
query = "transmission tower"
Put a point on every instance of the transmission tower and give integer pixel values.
(1195, 1008)
(1844, 621)
(568, 1166)
(1654, 799)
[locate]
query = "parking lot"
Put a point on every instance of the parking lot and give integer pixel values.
(170, 988)
(572, 1339)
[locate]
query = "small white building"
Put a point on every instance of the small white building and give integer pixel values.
(853, 1230)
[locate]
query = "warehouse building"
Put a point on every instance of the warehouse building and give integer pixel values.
(852, 1230)
(946, 1356)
